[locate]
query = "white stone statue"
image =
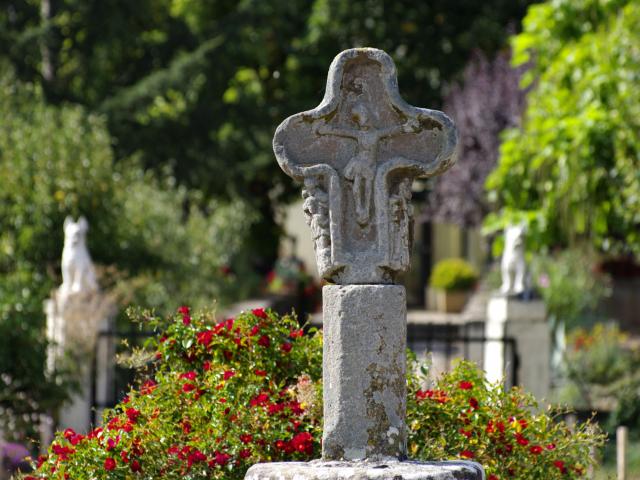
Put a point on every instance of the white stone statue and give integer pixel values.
(513, 266)
(76, 311)
(78, 274)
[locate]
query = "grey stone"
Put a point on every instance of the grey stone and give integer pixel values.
(356, 154)
(364, 366)
(318, 470)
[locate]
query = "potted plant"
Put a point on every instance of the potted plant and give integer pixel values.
(452, 279)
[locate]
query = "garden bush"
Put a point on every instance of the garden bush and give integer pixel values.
(453, 274)
(219, 397)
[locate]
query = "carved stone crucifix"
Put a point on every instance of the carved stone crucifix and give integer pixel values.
(357, 154)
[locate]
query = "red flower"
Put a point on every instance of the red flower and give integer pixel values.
(228, 374)
(132, 414)
(205, 337)
(111, 443)
(259, 400)
(521, 440)
(440, 396)
(260, 373)
(188, 387)
(184, 310)
(191, 375)
(466, 454)
(196, 456)
(244, 453)
(259, 312)
(303, 443)
(559, 464)
(473, 403)
(465, 385)
(296, 333)
(221, 458)
(422, 394)
(186, 427)
(135, 466)
(186, 319)
(109, 464)
(285, 347)
(246, 438)
(148, 387)
(535, 449)
(551, 446)
(206, 366)
(264, 341)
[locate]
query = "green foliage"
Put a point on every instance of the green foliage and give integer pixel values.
(569, 284)
(153, 239)
(199, 86)
(223, 396)
(602, 372)
(572, 170)
(453, 274)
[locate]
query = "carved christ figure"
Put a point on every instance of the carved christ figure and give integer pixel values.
(361, 169)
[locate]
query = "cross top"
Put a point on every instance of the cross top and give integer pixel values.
(357, 154)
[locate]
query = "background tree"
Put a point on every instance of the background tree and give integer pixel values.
(57, 161)
(572, 170)
(199, 86)
(487, 101)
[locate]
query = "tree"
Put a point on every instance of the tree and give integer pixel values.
(488, 101)
(199, 86)
(572, 170)
(57, 161)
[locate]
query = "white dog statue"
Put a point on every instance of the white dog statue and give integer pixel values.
(513, 265)
(78, 274)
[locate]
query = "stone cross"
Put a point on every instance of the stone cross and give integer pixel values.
(356, 155)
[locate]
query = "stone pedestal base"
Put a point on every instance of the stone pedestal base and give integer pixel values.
(526, 322)
(320, 470)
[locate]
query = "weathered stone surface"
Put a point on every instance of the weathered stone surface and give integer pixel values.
(319, 470)
(357, 154)
(364, 372)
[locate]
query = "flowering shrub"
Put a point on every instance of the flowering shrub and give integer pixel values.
(226, 395)
(463, 416)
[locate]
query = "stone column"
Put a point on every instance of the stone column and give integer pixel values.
(356, 155)
(525, 322)
(365, 331)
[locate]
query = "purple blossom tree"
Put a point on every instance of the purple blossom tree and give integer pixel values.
(487, 101)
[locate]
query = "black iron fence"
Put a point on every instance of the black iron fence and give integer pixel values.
(443, 342)
(110, 380)
(447, 342)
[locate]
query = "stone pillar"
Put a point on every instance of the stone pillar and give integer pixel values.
(364, 364)
(525, 322)
(356, 155)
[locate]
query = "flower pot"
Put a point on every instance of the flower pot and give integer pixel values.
(451, 301)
